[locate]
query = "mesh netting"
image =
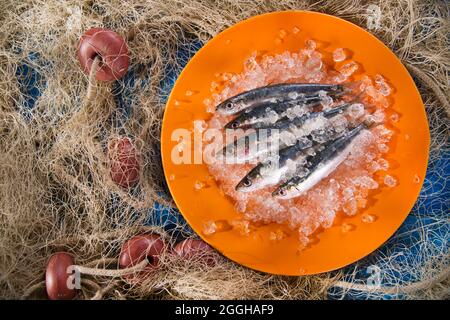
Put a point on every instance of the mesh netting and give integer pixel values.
(56, 192)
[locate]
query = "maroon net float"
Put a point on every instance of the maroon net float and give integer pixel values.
(57, 277)
(110, 48)
(193, 249)
(139, 248)
(124, 162)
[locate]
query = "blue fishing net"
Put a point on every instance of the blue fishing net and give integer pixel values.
(417, 248)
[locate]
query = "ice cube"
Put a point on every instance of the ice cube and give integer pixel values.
(272, 116)
(349, 68)
(292, 95)
(290, 114)
(356, 110)
(368, 218)
(287, 138)
(198, 185)
(394, 117)
(339, 55)
(339, 123)
(382, 85)
(350, 207)
(314, 62)
(209, 228)
(243, 226)
(292, 167)
(390, 181)
(310, 45)
(383, 148)
(366, 182)
(348, 193)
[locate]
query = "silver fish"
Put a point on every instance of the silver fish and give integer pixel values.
(267, 114)
(262, 142)
(319, 166)
(275, 169)
(273, 94)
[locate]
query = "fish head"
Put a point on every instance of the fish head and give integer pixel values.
(245, 185)
(285, 191)
(230, 107)
(251, 181)
(233, 124)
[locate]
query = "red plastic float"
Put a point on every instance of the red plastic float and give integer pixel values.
(110, 47)
(138, 248)
(193, 248)
(56, 277)
(124, 162)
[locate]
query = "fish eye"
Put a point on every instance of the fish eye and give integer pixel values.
(246, 182)
(234, 125)
(282, 192)
(229, 105)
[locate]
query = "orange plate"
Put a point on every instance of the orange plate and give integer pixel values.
(335, 249)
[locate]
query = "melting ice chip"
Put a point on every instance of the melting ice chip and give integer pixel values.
(382, 85)
(390, 181)
(368, 218)
(272, 116)
(209, 227)
(356, 110)
(349, 68)
(339, 55)
(292, 95)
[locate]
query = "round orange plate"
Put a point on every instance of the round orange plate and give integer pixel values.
(408, 149)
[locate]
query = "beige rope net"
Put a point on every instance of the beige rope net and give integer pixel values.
(55, 190)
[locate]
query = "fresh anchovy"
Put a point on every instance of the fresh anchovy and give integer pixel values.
(319, 166)
(258, 144)
(267, 114)
(275, 169)
(284, 124)
(272, 94)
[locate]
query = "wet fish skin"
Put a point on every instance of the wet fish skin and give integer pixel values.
(285, 123)
(320, 165)
(272, 171)
(272, 93)
(234, 149)
(261, 116)
(242, 147)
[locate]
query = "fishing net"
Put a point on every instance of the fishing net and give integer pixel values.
(55, 123)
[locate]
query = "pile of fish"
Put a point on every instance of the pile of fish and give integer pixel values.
(291, 156)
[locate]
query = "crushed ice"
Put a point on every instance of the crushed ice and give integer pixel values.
(347, 189)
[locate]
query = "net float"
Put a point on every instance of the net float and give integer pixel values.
(194, 249)
(139, 248)
(57, 277)
(124, 162)
(109, 47)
